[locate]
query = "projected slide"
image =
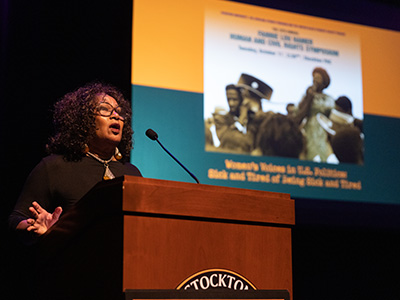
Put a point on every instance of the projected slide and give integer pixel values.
(258, 98)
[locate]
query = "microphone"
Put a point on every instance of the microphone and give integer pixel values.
(151, 134)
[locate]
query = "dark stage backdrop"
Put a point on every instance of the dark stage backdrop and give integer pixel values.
(341, 250)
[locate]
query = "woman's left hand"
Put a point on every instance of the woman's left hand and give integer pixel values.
(42, 220)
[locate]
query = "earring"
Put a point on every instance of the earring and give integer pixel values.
(117, 154)
(86, 149)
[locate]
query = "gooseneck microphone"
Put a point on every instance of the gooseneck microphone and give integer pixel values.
(151, 134)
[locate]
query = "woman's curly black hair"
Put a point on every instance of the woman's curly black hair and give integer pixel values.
(74, 121)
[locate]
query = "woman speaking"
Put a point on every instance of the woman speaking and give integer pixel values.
(92, 142)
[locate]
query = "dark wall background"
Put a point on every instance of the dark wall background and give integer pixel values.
(341, 250)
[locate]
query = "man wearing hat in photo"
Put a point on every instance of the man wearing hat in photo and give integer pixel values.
(313, 102)
(236, 130)
(251, 113)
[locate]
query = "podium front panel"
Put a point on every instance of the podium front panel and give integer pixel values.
(161, 252)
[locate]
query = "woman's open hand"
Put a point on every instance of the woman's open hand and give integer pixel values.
(42, 220)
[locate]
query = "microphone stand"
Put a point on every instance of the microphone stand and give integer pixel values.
(153, 136)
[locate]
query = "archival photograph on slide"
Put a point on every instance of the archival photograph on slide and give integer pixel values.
(281, 84)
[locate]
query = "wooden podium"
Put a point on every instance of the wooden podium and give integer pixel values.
(138, 233)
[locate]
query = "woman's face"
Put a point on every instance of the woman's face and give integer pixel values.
(108, 128)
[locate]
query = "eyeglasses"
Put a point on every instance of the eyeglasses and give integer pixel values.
(106, 109)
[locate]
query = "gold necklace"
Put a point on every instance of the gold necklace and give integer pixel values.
(107, 174)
